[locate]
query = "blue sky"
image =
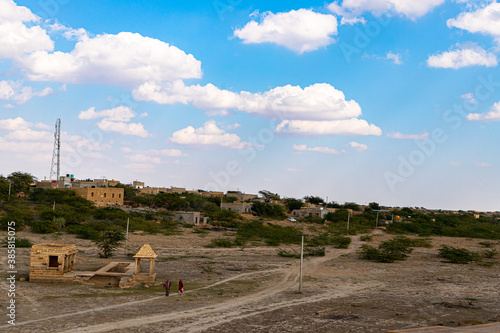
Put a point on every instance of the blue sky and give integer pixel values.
(392, 101)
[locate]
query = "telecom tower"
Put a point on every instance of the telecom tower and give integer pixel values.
(55, 168)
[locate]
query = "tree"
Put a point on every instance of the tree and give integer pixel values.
(268, 195)
(108, 241)
(268, 210)
(352, 205)
(21, 181)
(374, 206)
(292, 204)
(314, 200)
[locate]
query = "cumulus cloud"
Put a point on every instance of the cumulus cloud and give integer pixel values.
(167, 152)
(492, 115)
(15, 91)
(136, 129)
(401, 136)
(123, 59)
(358, 146)
(115, 120)
(16, 37)
(120, 113)
(471, 55)
(14, 124)
(324, 150)
(408, 8)
(299, 30)
(484, 20)
(210, 135)
(335, 127)
(318, 101)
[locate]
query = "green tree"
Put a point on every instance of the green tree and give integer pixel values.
(108, 241)
(293, 204)
(314, 200)
(268, 210)
(269, 195)
(374, 206)
(21, 181)
(352, 205)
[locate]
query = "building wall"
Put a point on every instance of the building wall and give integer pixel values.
(102, 196)
(40, 261)
(312, 211)
(242, 196)
(190, 217)
(242, 208)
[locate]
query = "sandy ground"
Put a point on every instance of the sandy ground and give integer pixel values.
(255, 290)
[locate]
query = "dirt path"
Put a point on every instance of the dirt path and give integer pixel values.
(217, 314)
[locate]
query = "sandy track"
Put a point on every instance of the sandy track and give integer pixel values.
(217, 314)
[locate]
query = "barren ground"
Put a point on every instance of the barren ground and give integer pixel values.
(255, 290)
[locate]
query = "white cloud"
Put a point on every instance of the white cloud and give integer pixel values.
(116, 120)
(120, 113)
(14, 124)
(492, 115)
(334, 127)
(408, 8)
(142, 158)
(358, 146)
(482, 164)
(123, 128)
(401, 136)
(233, 126)
(395, 57)
(124, 59)
(167, 152)
(299, 30)
(484, 20)
(15, 91)
(324, 150)
(318, 101)
(209, 134)
(69, 33)
(469, 97)
(125, 150)
(17, 38)
(471, 55)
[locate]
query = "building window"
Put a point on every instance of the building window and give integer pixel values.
(92, 194)
(119, 195)
(113, 195)
(53, 261)
(105, 195)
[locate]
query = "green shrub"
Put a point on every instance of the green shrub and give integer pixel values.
(221, 242)
(489, 254)
(366, 238)
(309, 251)
(389, 251)
(458, 255)
(341, 242)
(44, 226)
(89, 230)
(273, 235)
(19, 242)
(487, 244)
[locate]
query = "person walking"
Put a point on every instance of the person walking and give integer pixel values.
(181, 286)
(167, 285)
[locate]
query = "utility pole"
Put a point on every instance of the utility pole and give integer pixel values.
(126, 236)
(348, 217)
(301, 261)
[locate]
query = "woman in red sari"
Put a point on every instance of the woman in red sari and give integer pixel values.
(181, 286)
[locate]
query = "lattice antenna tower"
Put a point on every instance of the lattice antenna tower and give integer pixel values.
(55, 168)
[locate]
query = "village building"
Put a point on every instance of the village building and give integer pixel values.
(102, 196)
(242, 208)
(313, 212)
(50, 262)
(241, 196)
(194, 218)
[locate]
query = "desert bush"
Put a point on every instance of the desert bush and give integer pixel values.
(489, 254)
(108, 241)
(341, 242)
(458, 255)
(19, 242)
(45, 226)
(221, 242)
(309, 251)
(389, 251)
(487, 244)
(366, 238)
(273, 235)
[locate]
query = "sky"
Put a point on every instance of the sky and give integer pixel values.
(388, 101)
